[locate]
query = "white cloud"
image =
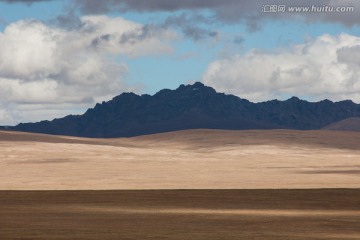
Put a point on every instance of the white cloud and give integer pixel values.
(325, 67)
(27, 49)
(50, 66)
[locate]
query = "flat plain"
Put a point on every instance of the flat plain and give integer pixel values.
(196, 184)
(181, 214)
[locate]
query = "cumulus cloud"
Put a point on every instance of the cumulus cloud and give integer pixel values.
(48, 66)
(324, 67)
(229, 10)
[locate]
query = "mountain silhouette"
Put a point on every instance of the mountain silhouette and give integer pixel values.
(192, 107)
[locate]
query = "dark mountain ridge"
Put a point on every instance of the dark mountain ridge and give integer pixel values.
(191, 107)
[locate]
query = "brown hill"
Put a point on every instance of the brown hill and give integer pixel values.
(192, 159)
(348, 124)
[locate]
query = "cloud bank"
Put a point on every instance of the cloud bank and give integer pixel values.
(228, 11)
(325, 67)
(48, 69)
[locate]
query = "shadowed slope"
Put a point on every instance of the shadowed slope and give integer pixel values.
(348, 124)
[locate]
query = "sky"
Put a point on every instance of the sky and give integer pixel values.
(61, 57)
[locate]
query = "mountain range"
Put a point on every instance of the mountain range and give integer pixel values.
(192, 106)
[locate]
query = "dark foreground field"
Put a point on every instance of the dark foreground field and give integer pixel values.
(181, 214)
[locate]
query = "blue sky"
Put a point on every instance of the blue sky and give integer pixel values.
(68, 55)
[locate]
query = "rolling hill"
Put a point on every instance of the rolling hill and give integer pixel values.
(348, 124)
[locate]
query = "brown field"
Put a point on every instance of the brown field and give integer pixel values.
(276, 184)
(198, 159)
(181, 214)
